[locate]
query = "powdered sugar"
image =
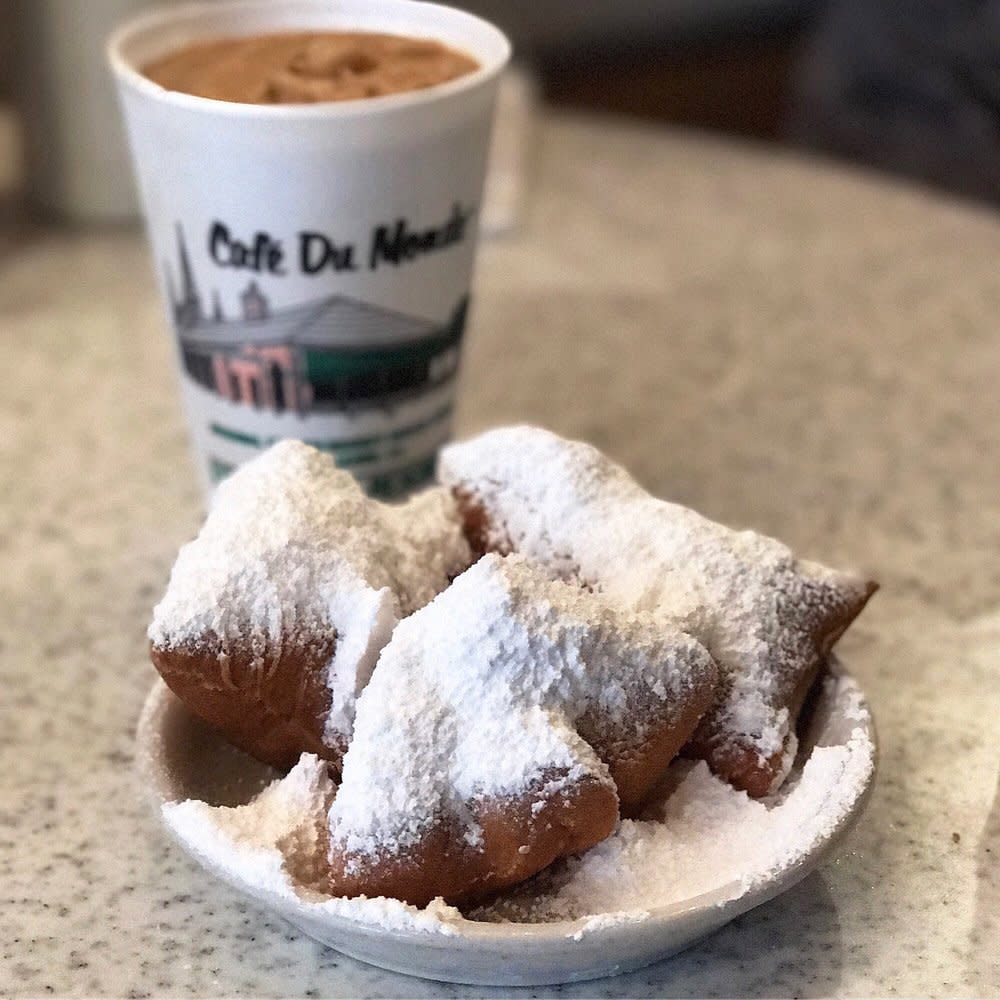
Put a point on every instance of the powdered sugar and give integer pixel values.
(706, 838)
(292, 548)
(274, 845)
(763, 614)
(478, 695)
(284, 824)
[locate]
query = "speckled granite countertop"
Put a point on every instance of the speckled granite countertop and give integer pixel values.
(782, 344)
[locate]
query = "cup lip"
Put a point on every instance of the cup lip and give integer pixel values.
(163, 16)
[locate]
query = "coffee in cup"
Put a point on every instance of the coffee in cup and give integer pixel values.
(308, 67)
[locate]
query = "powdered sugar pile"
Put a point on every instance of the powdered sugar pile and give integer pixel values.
(706, 837)
(275, 845)
(760, 612)
(478, 695)
(291, 548)
(270, 841)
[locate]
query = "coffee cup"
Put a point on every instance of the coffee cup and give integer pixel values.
(315, 259)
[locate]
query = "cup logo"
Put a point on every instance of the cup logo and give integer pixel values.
(332, 354)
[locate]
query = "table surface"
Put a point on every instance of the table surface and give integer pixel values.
(780, 343)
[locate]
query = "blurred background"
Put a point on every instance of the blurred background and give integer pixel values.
(904, 86)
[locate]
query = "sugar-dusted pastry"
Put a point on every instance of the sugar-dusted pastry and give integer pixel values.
(501, 727)
(767, 617)
(276, 612)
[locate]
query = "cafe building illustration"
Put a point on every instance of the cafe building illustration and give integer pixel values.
(333, 353)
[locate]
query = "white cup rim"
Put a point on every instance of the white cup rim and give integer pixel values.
(157, 18)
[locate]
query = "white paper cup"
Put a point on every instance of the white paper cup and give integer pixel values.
(315, 258)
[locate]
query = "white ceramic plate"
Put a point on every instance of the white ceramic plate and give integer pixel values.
(181, 758)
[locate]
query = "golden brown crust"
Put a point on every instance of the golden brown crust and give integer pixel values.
(740, 763)
(476, 525)
(271, 705)
(638, 761)
(519, 838)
